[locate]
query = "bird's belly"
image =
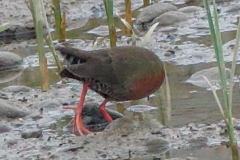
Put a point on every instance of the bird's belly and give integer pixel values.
(145, 86)
(137, 89)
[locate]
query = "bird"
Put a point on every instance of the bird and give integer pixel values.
(119, 73)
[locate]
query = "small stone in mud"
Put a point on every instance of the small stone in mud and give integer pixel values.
(103, 155)
(124, 125)
(170, 18)
(7, 110)
(211, 73)
(4, 129)
(74, 149)
(3, 95)
(9, 60)
(200, 2)
(150, 12)
(16, 89)
(93, 118)
(31, 133)
(169, 53)
(190, 9)
(156, 132)
(157, 145)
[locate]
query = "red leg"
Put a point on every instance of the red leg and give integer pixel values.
(77, 122)
(104, 112)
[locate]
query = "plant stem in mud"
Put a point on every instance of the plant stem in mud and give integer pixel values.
(234, 145)
(112, 30)
(57, 17)
(63, 27)
(146, 3)
(128, 13)
(217, 43)
(49, 39)
(168, 94)
(38, 22)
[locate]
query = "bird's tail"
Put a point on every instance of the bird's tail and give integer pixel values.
(73, 55)
(66, 74)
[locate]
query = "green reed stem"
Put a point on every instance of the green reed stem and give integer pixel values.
(112, 30)
(217, 43)
(38, 22)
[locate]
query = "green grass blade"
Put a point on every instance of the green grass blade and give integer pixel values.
(4, 26)
(236, 46)
(112, 30)
(57, 17)
(38, 22)
(50, 41)
(216, 37)
(219, 56)
(217, 43)
(109, 11)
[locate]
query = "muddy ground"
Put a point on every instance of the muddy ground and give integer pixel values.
(48, 135)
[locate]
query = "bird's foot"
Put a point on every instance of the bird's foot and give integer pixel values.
(104, 111)
(70, 107)
(78, 125)
(77, 122)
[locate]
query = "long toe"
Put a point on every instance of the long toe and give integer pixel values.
(78, 125)
(77, 122)
(70, 107)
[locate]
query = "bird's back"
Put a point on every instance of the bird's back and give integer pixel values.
(119, 73)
